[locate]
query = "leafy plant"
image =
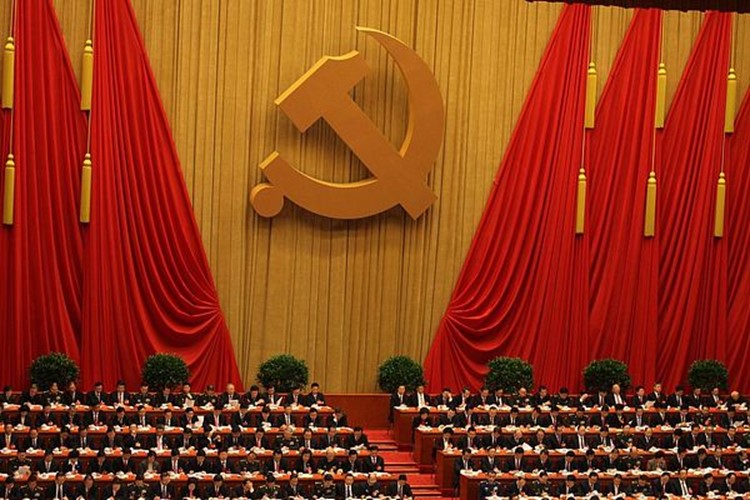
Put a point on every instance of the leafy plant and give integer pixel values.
(53, 367)
(602, 374)
(164, 369)
(509, 374)
(400, 370)
(284, 371)
(707, 374)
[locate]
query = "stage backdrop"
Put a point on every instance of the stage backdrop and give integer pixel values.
(345, 295)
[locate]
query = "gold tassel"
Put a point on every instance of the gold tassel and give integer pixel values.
(87, 75)
(731, 102)
(649, 226)
(85, 215)
(590, 95)
(9, 64)
(10, 188)
(721, 194)
(661, 96)
(581, 201)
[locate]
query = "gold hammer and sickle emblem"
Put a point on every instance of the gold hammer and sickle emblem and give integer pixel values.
(399, 176)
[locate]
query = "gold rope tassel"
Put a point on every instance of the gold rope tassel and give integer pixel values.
(87, 75)
(9, 65)
(721, 196)
(10, 188)
(85, 214)
(649, 226)
(581, 202)
(731, 102)
(590, 95)
(661, 96)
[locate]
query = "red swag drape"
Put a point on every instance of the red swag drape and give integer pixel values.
(657, 304)
(147, 284)
(738, 239)
(692, 313)
(624, 264)
(523, 289)
(40, 255)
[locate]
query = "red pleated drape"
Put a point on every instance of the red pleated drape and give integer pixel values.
(147, 283)
(738, 239)
(523, 289)
(40, 255)
(692, 313)
(624, 264)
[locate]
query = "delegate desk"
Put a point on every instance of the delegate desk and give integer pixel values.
(446, 461)
(469, 485)
(180, 480)
(424, 439)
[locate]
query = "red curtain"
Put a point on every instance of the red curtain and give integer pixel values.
(738, 239)
(523, 289)
(147, 284)
(40, 255)
(658, 304)
(624, 264)
(692, 313)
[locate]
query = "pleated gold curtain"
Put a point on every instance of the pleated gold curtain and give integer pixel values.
(346, 295)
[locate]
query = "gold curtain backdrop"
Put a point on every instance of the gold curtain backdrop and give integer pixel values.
(346, 295)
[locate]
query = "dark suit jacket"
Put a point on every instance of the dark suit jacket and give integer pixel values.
(156, 490)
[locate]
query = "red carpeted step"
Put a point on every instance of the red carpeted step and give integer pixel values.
(379, 435)
(421, 480)
(397, 457)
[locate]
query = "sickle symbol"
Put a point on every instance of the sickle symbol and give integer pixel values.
(399, 177)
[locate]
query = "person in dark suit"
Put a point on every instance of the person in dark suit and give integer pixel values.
(463, 463)
(471, 440)
(58, 489)
(484, 398)
(188, 418)
(314, 397)
(401, 489)
(568, 487)
(163, 489)
(101, 465)
(517, 463)
(293, 489)
(313, 419)
(87, 490)
(338, 419)
(640, 398)
(266, 419)
(120, 397)
(215, 419)
(32, 396)
(229, 397)
(357, 439)
(9, 441)
(462, 400)
(491, 462)
(276, 464)
(374, 463)
(556, 439)
(347, 489)
(677, 399)
(96, 395)
(443, 399)
(120, 418)
(116, 490)
(217, 488)
(517, 488)
(591, 486)
(398, 399)
(680, 486)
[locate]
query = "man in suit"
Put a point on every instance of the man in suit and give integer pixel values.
(401, 489)
(217, 488)
(124, 464)
(680, 486)
(59, 489)
(463, 463)
(276, 464)
(313, 419)
(462, 400)
(315, 397)
(579, 441)
(591, 486)
(517, 488)
(657, 394)
(215, 419)
(491, 462)
(443, 399)
(230, 397)
(271, 398)
(120, 397)
(96, 396)
(516, 463)
(47, 464)
(9, 441)
(163, 489)
(640, 398)
(615, 397)
(677, 399)
(374, 463)
(569, 486)
(347, 489)
(471, 440)
(175, 465)
(569, 465)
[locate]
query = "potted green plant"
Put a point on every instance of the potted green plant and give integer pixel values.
(400, 370)
(283, 371)
(164, 370)
(707, 374)
(509, 374)
(53, 367)
(602, 374)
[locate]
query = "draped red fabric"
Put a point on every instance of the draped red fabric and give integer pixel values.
(147, 284)
(624, 264)
(523, 289)
(738, 239)
(40, 255)
(692, 313)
